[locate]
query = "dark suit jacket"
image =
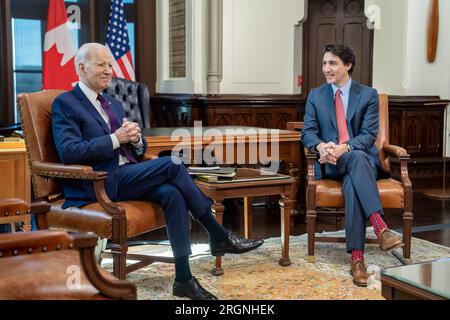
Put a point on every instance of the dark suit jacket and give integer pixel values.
(82, 137)
(362, 120)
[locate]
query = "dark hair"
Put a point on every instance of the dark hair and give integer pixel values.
(343, 51)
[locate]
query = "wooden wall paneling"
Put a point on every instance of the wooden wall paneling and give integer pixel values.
(146, 43)
(432, 131)
(2, 72)
(6, 90)
(412, 136)
(395, 127)
(336, 20)
(416, 123)
(93, 21)
(176, 110)
(267, 111)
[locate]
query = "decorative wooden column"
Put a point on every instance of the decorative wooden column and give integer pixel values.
(433, 31)
(214, 76)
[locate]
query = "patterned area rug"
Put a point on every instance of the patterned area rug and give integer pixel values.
(257, 275)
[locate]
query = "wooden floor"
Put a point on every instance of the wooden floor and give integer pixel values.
(431, 222)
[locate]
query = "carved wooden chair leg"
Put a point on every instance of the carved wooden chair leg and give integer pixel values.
(311, 225)
(119, 252)
(407, 230)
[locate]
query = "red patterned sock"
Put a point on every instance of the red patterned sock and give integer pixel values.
(377, 222)
(357, 255)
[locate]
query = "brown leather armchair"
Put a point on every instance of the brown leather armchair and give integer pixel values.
(52, 264)
(325, 196)
(116, 221)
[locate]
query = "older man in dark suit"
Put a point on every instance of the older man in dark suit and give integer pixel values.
(89, 127)
(341, 123)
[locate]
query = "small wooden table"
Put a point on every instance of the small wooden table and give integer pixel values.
(242, 142)
(425, 281)
(250, 183)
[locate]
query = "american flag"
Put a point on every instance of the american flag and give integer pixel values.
(118, 42)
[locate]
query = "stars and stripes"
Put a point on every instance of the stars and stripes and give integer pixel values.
(117, 41)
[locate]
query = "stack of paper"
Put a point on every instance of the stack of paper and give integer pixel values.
(12, 143)
(225, 172)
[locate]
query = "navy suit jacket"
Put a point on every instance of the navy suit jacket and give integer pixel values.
(362, 121)
(82, 137)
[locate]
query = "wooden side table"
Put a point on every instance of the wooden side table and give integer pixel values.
(250, 183)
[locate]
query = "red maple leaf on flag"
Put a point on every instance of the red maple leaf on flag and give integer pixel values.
(59, 49)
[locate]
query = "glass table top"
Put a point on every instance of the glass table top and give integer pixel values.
(430, 276)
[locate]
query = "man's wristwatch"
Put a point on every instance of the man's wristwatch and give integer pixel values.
(348, 147)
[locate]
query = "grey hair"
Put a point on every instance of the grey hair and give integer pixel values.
(83, 54)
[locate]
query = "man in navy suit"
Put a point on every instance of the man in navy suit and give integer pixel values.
(90, 128)
(341, 124)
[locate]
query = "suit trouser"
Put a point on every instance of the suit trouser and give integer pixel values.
(168, 184)
(359, 174)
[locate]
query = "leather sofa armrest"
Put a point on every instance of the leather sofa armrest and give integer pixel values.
(396, 151)
(58, 170)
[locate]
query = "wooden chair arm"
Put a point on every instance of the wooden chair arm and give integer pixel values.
(295, 125)
(401, 154)
(311, 157)
(40, 207)
(311, 154)
(396, 151)
(26, 243)
(12, 206)
(58, 170)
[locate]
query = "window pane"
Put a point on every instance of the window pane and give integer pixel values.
(25, 82)
(28, 81)
(27, 47)
(177, 38)
(27, 56)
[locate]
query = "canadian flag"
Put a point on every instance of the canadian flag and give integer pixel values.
(59, 50)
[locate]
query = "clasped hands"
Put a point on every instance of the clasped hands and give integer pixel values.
(128, 132)
(331, 152)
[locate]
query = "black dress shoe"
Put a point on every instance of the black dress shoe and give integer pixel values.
(193, 290)
(234, 244)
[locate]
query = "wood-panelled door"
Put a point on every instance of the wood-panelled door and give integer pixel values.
(336, 20)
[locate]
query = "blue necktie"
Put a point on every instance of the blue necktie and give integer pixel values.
(115, 124)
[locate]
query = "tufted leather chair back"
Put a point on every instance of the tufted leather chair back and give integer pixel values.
(135, 99)
(35, 114)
